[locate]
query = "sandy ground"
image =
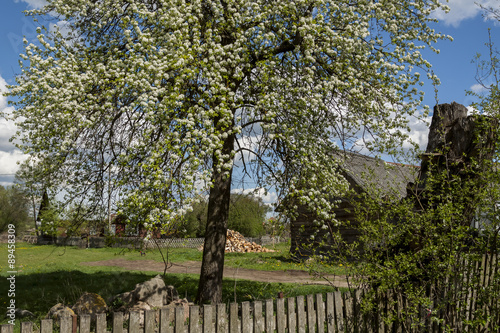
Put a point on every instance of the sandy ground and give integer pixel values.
(194, 267)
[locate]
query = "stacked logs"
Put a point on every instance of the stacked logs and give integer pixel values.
(235, 242)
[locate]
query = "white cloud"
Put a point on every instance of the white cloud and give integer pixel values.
(268, 197)
(33, 4)
(478, 88)
(461, 10)
(9, 155)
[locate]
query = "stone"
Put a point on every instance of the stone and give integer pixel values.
(21, 313)
(90, 303)
(59, 311)
(171, 295)
(152, 292)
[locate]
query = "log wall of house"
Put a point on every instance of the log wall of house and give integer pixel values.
(303, 227)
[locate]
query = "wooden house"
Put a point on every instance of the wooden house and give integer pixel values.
(365, 174)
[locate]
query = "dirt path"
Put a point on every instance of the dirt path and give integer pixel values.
(194, 267)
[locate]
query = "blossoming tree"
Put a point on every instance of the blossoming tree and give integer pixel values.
(158, 98)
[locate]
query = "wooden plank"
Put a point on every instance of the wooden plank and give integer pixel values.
(330, 313)
(339, 312)
(66, 324)
(179, 320)
(258, 322)
(221, 323)
(291, 315)
(27, 327)
(74, 323)
(85, 323)
(117, 322)
(100, 326)
(134, 322)
(311, 314)
(269, 315)
(280, 315)
(194, 319)
(149, 321)
(246, 320)
(301, 315)
(166, 320)
(348, 315)
(46, 326)
(320, 313)
(208, 311)
(8, 328)
(233, 318)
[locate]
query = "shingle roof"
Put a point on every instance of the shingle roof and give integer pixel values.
(377, 176)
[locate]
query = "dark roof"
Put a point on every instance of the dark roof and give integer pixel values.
(375, 175)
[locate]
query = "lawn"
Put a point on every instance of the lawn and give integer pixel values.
(49, 274)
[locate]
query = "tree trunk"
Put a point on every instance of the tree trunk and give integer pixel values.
(210, 285)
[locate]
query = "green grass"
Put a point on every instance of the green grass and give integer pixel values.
(49, 274)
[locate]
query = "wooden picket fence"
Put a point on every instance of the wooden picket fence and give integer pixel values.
(297, 314)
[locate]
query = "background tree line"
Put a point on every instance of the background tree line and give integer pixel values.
(14, 209)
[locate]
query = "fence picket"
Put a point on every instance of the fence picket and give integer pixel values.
(339, 313)
(100, 325)
(7, 328)
(222, 324)
(233, 318)
(46, 326)
(320, 313)
(301, 315)
(66, 324)
(291, 315)
(179, 321)
(194, 319)
(280, 315)
(208, 323)
(258, 323)
(269, 316)
(246, 320)
(311, 314)
(27, 327)
(166, 320)
(134, 321)
(117, 322)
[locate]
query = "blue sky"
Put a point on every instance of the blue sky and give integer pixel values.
(453, 65)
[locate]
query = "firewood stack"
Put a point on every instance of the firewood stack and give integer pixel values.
(235, 242)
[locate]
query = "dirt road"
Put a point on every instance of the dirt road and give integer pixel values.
(194, 267)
